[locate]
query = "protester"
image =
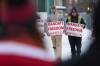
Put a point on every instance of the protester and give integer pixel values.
(56, 39)
(92, 56)
(74, 41)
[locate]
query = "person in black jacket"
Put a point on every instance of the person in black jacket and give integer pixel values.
(73, 40)
(92, 56)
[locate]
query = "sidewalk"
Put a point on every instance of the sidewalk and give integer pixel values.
(66, 53)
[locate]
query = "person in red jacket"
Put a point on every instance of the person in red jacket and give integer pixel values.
(20, 41)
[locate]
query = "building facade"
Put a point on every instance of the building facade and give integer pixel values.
(44, 5)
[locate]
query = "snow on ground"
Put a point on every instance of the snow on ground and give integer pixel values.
(66, 52)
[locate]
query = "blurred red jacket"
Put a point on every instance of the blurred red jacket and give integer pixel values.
(21, 49)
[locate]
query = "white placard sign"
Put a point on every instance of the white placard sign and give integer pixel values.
(55, 28)
(74, 29)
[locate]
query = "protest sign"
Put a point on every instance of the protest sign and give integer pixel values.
(74, 29)
(55, 28)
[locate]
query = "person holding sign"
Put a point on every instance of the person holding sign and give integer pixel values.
(55, 19)
(75, 41)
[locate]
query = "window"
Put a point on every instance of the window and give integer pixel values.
(40, 5)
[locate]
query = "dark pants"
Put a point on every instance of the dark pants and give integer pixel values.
(75, 42)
